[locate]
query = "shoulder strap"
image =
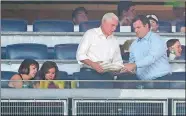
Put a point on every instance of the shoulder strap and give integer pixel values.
(21, 76)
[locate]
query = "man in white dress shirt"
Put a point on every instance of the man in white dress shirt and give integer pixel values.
(99, 44)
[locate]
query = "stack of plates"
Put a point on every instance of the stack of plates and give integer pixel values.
(111, 66)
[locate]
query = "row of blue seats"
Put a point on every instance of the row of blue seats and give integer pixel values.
(41, 51)
(48, 25)
(68, 26)
(82, 75)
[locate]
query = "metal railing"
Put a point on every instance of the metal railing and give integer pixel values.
(97, 84)
(8, 38)
(34, 107)
(119, 107)
(50, 102)
(178, 107)
(72, 66)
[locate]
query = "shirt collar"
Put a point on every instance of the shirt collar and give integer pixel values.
(100, 33)
(146, 37)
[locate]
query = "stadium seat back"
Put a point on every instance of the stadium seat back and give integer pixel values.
(126, 85)
(178, 76)
(3, 52)
(26, 50)
(183, 53)
(13, 25)
(51, 53)
(6, 75)
(53, 26)
(65, 51)
(179, 25)
(91, 75)
(165, 27)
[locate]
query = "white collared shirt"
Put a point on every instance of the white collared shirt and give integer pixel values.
(96, 47)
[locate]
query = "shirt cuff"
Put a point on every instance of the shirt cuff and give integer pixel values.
(82, 57)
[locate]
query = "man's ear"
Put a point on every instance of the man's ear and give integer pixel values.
(146, 25)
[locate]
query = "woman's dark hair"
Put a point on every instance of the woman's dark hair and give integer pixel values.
(143, 19)
(45, 67)
(24, 68)
(170, 43)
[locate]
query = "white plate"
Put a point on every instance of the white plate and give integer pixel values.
(112, 67)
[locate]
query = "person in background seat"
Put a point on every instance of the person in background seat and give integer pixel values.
(174, 49)
(79, 15)
(179, 14)
(49, 71)
(153, 22)
(126, 12)
(27, 71)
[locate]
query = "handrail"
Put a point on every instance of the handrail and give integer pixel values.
(67, 61)
(129, 34)
(92, 93)
(99, 80)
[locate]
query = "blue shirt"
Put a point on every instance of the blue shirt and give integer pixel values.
(150, 56)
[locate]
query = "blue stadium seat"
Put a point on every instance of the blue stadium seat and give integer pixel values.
(165, 27)
(125, 56)
(183, 53)
(62, 75)
(6, 75)
(3, 52)
(65, 51)
(13, 25)
(53, 26)
(92, 75)
(26, 50)
(175, 76)
(126, 85)
(179, 25)
(178, 76)
(51, 54)
(84, 26)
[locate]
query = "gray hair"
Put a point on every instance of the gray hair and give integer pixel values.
(109, 16)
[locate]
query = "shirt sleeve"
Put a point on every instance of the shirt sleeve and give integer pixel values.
(84, 46)
(117, 55)
(157, 50)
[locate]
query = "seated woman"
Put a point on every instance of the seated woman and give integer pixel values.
(27, 71)
(48, 72)
(174, 49)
